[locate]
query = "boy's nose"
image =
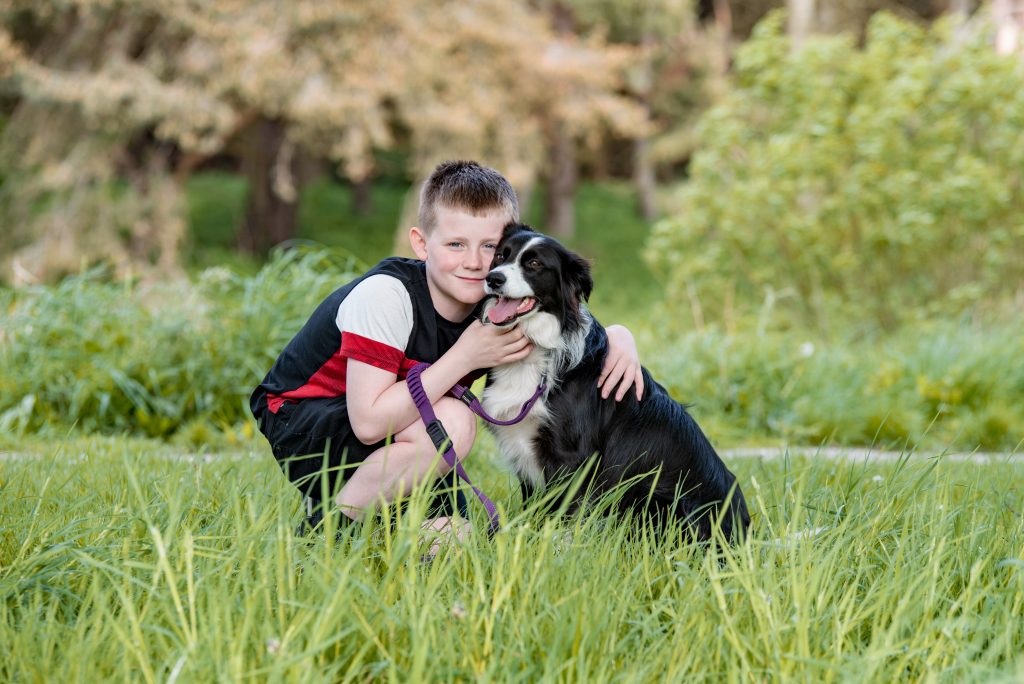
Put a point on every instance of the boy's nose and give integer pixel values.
(473, 260)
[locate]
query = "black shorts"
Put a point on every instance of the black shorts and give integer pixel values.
(313, 442)
(312, 438)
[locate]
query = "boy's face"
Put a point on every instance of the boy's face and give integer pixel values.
(458, 253)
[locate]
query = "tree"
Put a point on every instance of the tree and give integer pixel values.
(525, 79)
(680, 69)
(1009, 18)
(179, 81)
(868, 184)
(90, 113)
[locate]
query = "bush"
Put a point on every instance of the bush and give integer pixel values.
(112, 357)
(873, 183)
(940, 385)
(178, 361)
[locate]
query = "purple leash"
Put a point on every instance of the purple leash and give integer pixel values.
(439, 436)
(462, 393)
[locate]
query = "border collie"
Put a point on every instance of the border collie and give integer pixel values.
(541, 286)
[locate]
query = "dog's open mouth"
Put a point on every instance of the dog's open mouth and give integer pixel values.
(507, 309)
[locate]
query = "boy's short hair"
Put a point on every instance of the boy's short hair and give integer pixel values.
(467, 186)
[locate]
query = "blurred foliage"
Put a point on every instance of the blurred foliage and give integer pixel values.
(115, 356)
(951, 384)
(846, 183)
(680, 70)
(179, 361)
(145, 93)
(326, 216)
(609, 233)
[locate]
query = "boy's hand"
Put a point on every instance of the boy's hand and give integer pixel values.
(486, 346)
(622, 365)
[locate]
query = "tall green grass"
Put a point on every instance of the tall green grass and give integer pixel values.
(940, 383)
(121, 560)
(152, 358)
(178, 361)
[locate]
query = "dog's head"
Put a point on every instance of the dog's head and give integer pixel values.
(536, 282)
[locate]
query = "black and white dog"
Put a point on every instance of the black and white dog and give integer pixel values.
(539, 285)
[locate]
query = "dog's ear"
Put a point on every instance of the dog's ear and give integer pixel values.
(513, 228)
(576, 271)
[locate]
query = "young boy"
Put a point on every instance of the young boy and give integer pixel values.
(338, 387)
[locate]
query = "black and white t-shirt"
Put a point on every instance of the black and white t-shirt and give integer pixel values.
(385, 318)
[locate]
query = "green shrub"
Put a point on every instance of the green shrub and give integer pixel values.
(873, 183)
(178, 360)
(939, 384)
(148, 359)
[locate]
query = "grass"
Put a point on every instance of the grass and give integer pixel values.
(159, 359)
(122, 559)
(157, 560)
(941, 383)
(207, 343)
(216, 207)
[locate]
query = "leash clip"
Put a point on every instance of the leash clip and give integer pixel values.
(467, 398)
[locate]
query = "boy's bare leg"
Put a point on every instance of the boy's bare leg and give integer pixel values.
(395, 470)
(445, 529)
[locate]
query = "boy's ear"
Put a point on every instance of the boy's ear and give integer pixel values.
(418, 242)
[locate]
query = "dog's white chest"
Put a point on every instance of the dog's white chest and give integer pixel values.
(510, 388)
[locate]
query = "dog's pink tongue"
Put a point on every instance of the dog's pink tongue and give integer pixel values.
(503, 310)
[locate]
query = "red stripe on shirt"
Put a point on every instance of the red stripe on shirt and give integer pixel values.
(329, 380)
(371, 352)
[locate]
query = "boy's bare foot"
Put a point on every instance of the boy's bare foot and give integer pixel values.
(443, 531)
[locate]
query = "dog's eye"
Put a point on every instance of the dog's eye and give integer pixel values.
(533, 264)
(499, 258)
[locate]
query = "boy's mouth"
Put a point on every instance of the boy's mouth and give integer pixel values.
(508, 309)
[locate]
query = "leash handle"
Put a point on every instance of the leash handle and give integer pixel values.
(442, 442)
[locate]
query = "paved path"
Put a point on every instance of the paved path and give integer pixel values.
(871, 455)
(766, 453)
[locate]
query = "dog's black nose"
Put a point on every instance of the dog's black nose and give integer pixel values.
(495, 280)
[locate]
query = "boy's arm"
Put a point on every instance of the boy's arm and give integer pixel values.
(379, 405)
(622, 365)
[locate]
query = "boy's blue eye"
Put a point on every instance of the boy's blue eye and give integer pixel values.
(490, 246)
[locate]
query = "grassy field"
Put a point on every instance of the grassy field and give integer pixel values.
(128, 560)
(173, 559)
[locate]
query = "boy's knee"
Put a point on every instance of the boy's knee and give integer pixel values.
(459, 422)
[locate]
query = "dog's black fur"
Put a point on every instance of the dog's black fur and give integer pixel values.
(655, 439)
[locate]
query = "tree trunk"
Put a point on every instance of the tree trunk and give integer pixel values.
(563, 167)
(643, 179)
(1009, 18)
(801, 20)
(643, 167)
(269, 164)
(362, 196)
(563, 176)
(159, 231)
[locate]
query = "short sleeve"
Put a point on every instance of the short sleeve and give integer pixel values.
(375, 321)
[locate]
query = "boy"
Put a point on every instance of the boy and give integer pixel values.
(338, 387)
